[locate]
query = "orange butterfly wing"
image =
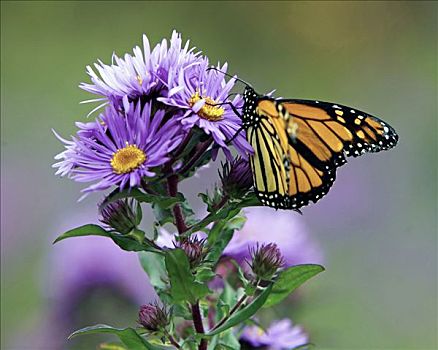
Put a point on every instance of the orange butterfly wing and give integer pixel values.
(283, 178)
(326, 132)
(299, 144)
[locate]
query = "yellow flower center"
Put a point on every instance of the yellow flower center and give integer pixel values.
(127, 159)
(209, 111)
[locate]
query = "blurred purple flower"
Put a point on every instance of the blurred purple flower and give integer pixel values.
(146, 71)
(283, 228)
(120, 150)
(280, 335)
(74, 271)
(85, 263)
(197, 90)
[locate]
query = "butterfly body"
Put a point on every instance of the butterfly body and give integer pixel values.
(298, 144)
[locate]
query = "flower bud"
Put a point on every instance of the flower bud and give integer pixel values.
(153, 317)
(266, 260)
(236, 177)
(119, 215)
(194, 248)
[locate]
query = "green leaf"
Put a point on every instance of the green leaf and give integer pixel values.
(138, 214)
(128, 336)
(111, 346)
(188, 212)
(290, 279)
(205, 273)
(244, 313)
(131, 242)
(164, 201)
(250, 200)
(154, 266)
(162, 215)
(227, 298)
(85, 230)
(227, 340)
(183, 286)
(226, 213)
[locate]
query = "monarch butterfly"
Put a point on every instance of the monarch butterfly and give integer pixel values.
(298, 144)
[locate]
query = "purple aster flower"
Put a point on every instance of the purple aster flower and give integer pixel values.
(281, 335)
(121, 149)
(146, 71)
(85, 263)
(201, 93)
(287, 231)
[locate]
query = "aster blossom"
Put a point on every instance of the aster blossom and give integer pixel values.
(144, 73)
(203, 95)
(280, 335)
(121, 149)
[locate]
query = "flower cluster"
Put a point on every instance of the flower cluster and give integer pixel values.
(164, 113)
(152, 99)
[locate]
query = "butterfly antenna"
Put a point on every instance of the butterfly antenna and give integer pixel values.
(229, 75)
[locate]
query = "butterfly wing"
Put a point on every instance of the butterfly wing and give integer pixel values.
(325, 133)
(299, 144)
(283, 178)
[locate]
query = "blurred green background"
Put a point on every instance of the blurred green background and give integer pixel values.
(378, 224)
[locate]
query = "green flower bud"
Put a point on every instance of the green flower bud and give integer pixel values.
(266, 260)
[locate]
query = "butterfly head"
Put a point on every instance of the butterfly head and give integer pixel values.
(249, 94)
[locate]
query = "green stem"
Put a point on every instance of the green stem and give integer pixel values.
(172, 340)
(235, 308)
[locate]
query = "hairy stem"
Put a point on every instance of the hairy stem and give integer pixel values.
(199, 327)
(198, 153)
(172, 188)
(222, 202)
